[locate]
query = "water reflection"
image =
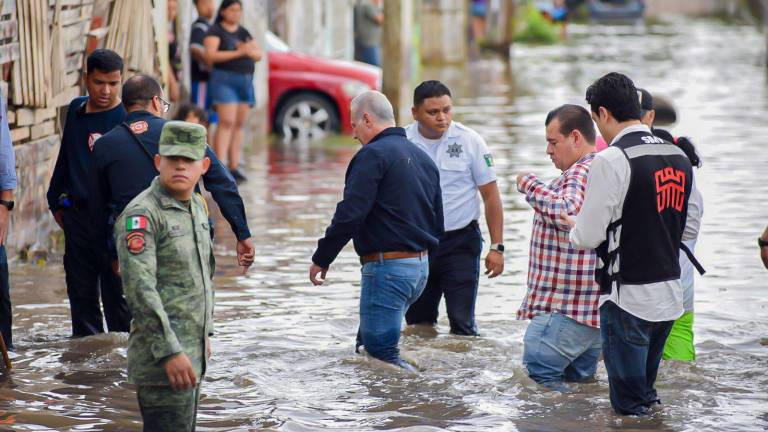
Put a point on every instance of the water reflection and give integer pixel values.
(283, 350)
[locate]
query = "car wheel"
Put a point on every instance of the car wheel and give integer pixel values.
(307, 116)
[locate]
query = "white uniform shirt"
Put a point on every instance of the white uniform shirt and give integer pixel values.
(607, 187)
(465, 162)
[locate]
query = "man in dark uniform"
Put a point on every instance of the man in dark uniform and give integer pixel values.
(123, 166)
(88, 118)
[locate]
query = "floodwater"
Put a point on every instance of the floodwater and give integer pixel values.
(283, 350)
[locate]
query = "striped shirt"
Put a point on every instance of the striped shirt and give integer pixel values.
(560, 278)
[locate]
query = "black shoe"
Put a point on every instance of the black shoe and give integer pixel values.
(238, 175)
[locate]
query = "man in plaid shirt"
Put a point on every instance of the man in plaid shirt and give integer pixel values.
(562, 342)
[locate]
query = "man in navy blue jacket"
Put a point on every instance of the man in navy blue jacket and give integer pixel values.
(392, 210)
(88, 118)
(123, 167)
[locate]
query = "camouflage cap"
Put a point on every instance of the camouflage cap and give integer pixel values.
(180, 138)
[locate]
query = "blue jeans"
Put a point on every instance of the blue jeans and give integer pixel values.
(559, 348)
(199, 95)
(370, 54)
(632, 349)
(6, 314)
(388, 287)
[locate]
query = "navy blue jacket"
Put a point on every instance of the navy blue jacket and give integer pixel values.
(392, 201)
(122, 169)
(73, 165)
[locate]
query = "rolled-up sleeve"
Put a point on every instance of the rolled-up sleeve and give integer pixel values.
(8, 179)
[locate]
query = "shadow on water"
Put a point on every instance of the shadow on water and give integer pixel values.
(283, 350)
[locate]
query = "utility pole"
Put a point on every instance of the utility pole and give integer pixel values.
(393, 54)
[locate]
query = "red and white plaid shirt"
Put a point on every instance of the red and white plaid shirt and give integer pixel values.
(560, 278)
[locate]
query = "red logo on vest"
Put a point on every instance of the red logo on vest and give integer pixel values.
(92, 140)
(139, 127)
(670, 189)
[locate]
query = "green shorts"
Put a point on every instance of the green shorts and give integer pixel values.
(679, 344)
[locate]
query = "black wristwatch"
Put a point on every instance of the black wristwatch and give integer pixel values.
(7, 204)
(762, 243)
(498, 247)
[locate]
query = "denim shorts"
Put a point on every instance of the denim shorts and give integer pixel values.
(227, 87)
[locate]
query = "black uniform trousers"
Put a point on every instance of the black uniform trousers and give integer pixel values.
(454, 272)
(89, 273)
(5, 300)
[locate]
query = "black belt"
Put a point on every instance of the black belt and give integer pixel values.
(470, 226)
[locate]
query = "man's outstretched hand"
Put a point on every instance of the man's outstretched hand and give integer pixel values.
(314, 271)
(245, 254)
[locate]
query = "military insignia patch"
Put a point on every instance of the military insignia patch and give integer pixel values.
(139, 127)
(136, 223)
(92, 140)
(454, 150)
(134, 242)
(488, 159)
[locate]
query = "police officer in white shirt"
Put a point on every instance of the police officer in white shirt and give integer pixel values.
(466, 167)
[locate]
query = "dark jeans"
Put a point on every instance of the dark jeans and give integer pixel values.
(165, 410)
(370, 54)
(632, 349)
(6, 315)
(388, 287)
(87, 273)
(454, 271)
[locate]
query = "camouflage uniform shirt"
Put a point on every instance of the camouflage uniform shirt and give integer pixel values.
(167, 263)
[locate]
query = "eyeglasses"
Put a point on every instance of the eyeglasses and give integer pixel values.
(166, 104)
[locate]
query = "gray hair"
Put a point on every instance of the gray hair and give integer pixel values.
(375, 104)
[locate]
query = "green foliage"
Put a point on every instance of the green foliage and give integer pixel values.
(535, 28)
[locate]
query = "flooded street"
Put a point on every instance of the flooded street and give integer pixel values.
(284, 350)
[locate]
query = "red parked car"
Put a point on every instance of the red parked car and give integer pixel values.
(309, 96)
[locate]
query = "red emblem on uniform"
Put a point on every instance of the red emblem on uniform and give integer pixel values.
(134, 241)
(92, 140)
(139, 127)
(670, 189)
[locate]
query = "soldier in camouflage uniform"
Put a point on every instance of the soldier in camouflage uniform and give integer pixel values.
(167, 265)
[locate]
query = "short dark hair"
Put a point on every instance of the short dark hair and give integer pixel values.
(429, 89)
(225, 4)
(685, 144)
(104, 60)
(187, 107)
(573, 117)
(616, 93)
(140, 89)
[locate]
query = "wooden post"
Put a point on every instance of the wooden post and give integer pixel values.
(399, 56)
(392, 53)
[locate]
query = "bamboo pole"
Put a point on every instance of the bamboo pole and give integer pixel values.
(24, 68)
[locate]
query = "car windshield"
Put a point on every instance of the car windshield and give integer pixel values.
(274, 43)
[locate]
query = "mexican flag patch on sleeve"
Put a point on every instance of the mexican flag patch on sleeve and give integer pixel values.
(136, 223)
(488, 159)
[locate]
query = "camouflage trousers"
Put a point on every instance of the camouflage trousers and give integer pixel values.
(164, 409)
